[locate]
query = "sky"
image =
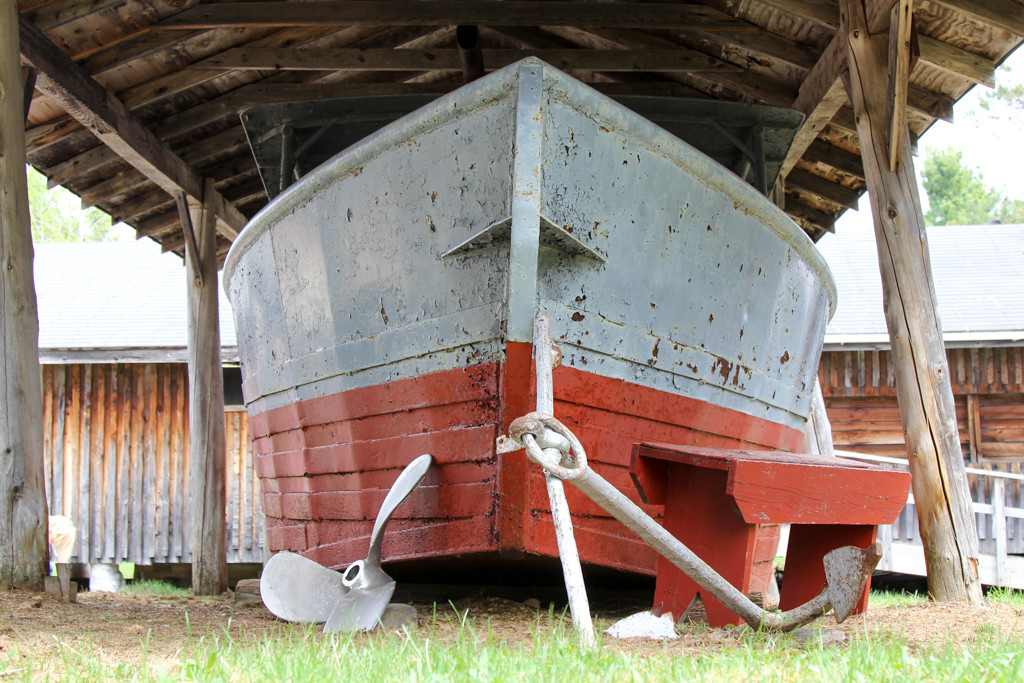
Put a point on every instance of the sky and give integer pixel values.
(992, 142)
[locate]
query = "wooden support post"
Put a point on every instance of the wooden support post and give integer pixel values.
(923, 386)
(470, 52)
(23, 543)
(206, 411)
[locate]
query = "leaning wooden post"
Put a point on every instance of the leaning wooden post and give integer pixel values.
(923, 386)
(23, 544)
(206, 405)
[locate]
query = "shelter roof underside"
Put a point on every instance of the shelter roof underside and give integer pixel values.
(179, 72)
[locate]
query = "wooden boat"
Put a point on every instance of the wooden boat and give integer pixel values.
(384, 307)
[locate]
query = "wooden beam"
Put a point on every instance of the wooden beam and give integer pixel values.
(821, 94)
(957, 60)
(1005, 14)
(941, 493)
(52, 15)
(900, 34)
(442, 13)
(447, 59)
(836, 157)
(930, 103)
(98, 110)
(189, 237)
(28, 86)
(823, 187)
(821, 12)
(471, 53)
(207, 468)
(23, 511)
(820, 219)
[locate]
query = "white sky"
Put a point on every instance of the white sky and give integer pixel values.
(992, 142)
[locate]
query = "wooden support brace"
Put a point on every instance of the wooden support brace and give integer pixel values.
(188, 232)
(899, 78)
(28, 86)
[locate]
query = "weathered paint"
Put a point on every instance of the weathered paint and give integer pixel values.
(689, 310)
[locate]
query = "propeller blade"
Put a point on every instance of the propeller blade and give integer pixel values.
(360, 609)
(296, 588)
(407, 481)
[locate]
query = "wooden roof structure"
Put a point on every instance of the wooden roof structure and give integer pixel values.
(138, 101)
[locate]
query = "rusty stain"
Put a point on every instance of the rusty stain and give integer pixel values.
(785, 358)
(654, 351)
(430, 223)
(741, 333)
(433, 196)
(578, 317)
(711, 318)
(349, 215)
(723, 368)
(709, 227)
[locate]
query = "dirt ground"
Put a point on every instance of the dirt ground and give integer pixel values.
(122, 628)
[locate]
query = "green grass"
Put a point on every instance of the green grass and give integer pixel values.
(457, 649)
(895, 599)
(154, 587)
(302, 654)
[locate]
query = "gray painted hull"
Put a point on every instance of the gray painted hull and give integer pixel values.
(429, 246)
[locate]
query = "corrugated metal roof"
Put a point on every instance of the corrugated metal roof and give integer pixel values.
(979, 284)
(115, 298)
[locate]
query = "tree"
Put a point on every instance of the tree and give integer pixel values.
(56, 218)
(958, 195)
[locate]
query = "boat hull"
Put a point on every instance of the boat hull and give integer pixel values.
(326, 464)
(384, 308)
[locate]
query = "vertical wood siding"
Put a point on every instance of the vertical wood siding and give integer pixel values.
(988, 389)
(117, 457)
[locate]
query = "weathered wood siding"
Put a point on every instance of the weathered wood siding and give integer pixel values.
(988, 384)
(988, 387)
(117, 456)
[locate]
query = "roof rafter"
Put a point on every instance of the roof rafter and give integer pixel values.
(95, 108)
(444, 13)
(385, 59)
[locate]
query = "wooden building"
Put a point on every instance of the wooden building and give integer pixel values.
(981, 302)
(115, 407)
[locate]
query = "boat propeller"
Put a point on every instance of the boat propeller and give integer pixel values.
(296, 588)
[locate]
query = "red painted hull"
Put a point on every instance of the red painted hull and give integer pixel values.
(327, 463)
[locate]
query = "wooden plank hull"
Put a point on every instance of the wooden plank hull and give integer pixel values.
(327, 463)
(384, 307)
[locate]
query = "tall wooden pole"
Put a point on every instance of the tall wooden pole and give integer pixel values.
(206, 410)
(923, 387)
(23, 538)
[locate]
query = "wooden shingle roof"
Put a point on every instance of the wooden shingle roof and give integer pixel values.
(137, 100)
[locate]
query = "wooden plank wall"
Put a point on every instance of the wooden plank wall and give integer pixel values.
(988, 388)
(116, 451)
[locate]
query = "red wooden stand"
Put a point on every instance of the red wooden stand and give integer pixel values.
(716, 499)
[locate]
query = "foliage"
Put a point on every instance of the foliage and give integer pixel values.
(958, 195)
(56, 216)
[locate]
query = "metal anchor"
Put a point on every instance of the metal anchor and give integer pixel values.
(296, 588)
(552, 446)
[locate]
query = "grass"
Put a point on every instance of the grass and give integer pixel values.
(153, 587)
(455, 648)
